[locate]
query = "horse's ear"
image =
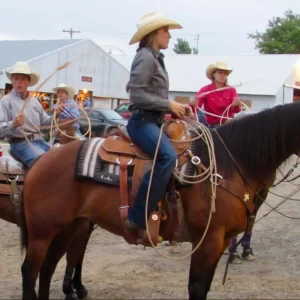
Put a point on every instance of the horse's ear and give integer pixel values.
(175, 130)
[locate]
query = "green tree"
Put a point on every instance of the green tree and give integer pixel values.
(281, 37)
(182, 47)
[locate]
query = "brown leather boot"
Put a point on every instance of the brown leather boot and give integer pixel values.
(132, 232)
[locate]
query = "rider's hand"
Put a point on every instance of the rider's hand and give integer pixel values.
(236, 102)
(19, 120)
(194, 101)
(60, 108)
(188, 111)
(177, 108)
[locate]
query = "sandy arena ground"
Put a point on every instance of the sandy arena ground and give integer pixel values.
(114, 270)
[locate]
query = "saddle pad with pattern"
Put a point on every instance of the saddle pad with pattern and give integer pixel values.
(89, 166)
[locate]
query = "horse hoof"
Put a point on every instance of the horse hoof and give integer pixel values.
(71, 296)
(82, 292)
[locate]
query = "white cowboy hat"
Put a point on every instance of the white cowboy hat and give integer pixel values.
(22, 67)
(151, 22)
(68, 89)
(219, 65)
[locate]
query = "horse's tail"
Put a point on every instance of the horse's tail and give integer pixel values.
(23, 227)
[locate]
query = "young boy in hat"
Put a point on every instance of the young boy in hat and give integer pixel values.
(14, 124)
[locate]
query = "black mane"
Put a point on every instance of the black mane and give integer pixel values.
(260, 143)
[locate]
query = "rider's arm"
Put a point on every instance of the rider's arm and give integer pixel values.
(6, 120)
(73, 111)
(201, 99)
(234, 95)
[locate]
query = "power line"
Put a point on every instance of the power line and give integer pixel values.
(71, 32)
(173, 34)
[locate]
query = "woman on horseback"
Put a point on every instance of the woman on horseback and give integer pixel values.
(148, 87)
(217, 102)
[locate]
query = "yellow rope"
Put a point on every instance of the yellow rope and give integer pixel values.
(209, 141)
(54, 120)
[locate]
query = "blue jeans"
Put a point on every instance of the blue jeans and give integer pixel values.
(145, 132)
(26, 153)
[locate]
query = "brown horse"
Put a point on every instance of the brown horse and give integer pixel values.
(73, 241)
(248, 152)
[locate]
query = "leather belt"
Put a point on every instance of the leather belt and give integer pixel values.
(156, 114)
(19, 140)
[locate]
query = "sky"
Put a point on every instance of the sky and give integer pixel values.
(222, 25)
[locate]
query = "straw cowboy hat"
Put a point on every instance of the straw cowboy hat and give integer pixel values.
(22, 67)
(151, 22)
(219, 65)
(68, 89)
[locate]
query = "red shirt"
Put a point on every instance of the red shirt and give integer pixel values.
(217, 102)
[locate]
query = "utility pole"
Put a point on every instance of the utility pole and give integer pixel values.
(71, 32)
(197, 36)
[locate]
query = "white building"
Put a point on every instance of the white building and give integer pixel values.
(267, 80)
(92, 71)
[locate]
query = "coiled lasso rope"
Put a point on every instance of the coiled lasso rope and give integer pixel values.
(54, 123)
(27, 100)
(226, 111)
(206, 136)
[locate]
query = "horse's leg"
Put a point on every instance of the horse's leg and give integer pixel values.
(54, 255)
(36, 252)
(81, 291)
(57, 249)
(75, 257)
(203, 265)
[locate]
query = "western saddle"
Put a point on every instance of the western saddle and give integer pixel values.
(120, 150)
(12, 181)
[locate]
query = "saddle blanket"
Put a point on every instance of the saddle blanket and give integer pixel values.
(90, 166)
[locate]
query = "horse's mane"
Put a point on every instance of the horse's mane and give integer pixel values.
(259, 142)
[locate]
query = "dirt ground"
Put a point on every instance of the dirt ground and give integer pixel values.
(114, 270)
